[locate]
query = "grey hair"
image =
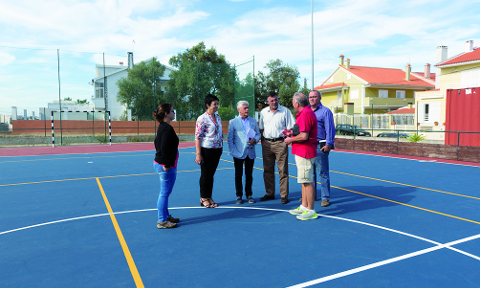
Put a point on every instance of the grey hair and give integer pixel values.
(241, 103)
(300, 99)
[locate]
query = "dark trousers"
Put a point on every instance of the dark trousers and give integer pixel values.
(239, 176)
(211, 157)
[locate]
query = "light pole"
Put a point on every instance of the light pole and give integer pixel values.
(313, 85)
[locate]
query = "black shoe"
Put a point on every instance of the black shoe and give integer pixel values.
(239, 200)
(266, 198)
(284, 200)
(173, 220)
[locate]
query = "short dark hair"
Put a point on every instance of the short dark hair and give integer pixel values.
(272, 94)
(210, 98)
(318, 93)
(162, 110)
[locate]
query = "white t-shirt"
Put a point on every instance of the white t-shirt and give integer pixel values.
(273, 124)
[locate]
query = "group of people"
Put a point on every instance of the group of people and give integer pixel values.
(311, 135)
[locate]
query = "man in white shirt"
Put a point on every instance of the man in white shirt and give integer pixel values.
(273, 120)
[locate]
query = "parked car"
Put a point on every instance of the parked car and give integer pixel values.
(392, 135)
(345, 129)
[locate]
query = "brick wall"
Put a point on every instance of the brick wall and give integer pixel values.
(86, 127)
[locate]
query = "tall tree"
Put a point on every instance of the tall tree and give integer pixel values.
(137, 90)
(200, 71)
(305, 90)
(281, 78)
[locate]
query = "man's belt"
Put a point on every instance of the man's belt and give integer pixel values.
(275, 139)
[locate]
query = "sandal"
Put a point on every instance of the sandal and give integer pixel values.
(205, 203)
(212, 203)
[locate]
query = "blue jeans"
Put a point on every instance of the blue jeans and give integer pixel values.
(323, 171)
(167, 180)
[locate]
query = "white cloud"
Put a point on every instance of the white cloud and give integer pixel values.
(6, 59)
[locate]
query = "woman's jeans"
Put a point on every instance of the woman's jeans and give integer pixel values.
(167, 180)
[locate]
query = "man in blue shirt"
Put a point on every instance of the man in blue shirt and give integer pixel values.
(326, 139)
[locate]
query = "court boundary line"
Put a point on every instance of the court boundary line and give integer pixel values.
(437, 246)
(121, 239)
(336, 187)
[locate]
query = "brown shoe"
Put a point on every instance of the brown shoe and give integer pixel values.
(166, 225)
(284, 200)
(325, 203)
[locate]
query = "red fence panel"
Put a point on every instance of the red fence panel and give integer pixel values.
(463, 114)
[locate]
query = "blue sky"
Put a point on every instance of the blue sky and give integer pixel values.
(370, 33)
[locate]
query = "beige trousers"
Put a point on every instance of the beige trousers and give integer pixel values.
(272, 151)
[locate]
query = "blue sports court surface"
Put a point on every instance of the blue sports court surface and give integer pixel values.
(89, 220)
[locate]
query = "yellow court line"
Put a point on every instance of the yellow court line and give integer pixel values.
(126, 251)
(68, 158)
(258, 168)
(434, 190)
(408, 185)
(91, 157)
(431, 211)
(388, 200)
(104, 177)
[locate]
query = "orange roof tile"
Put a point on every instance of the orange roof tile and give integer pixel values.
(342, 84)
(402, 111)
(432, 75)
(464, 57)
(375, 75)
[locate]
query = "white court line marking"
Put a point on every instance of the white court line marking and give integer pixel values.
(385, 262)
(437, 246)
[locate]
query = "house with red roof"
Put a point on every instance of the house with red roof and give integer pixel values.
(461, 71)
(376, 89)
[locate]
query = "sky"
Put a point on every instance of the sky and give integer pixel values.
(371, 33)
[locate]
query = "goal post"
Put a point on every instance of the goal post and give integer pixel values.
(79, 124)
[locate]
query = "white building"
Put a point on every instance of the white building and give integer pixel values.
(45, 113)
(111, 74)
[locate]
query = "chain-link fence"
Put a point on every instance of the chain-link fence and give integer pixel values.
(36, 82)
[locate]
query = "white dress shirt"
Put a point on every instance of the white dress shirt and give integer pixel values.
(273, 124)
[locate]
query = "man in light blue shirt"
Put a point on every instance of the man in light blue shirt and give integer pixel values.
(243, 134)
(325, 142)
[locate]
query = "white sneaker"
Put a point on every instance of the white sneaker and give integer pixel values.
(297, 211)
(307, 215)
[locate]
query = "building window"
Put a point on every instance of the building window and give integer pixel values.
(400, 94)
(470, 78)
(354, 94)
(426, 112)
(98, 89)
(382, 93)
(430, 112)
(349, 76)
(331, 79)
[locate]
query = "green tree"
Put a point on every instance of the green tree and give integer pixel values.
(84, 101)
(200, 71)
(305, 90)
(281, 78)
(137, 90)
(67, 99)
(244, 90)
